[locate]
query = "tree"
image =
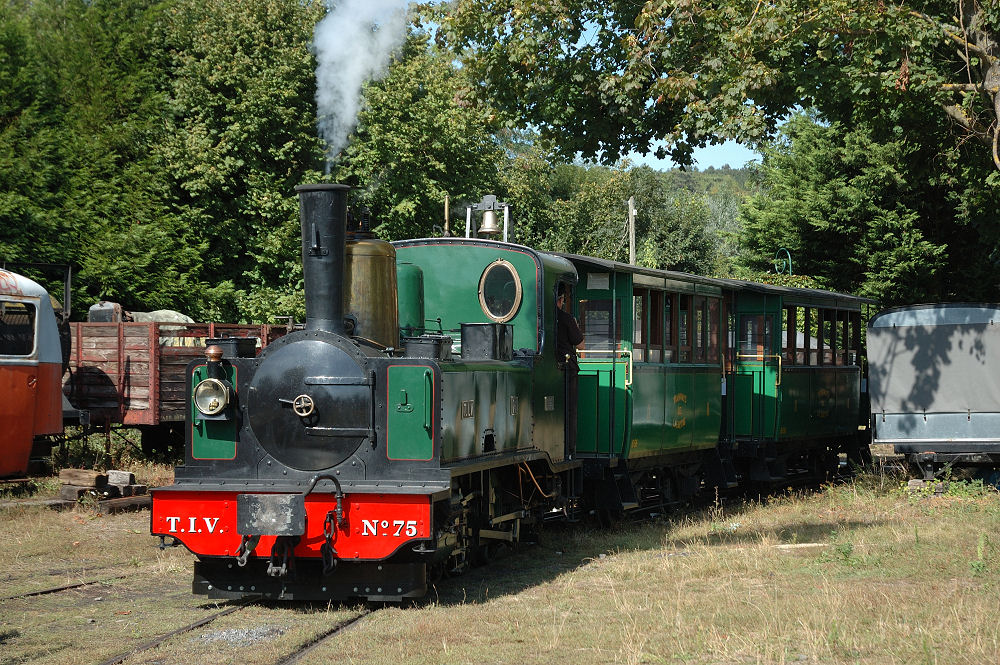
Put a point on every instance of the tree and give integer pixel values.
(588, 215)
(418, 139)
(605, 78)
(863, 215)
(79, 182)
(241, 133)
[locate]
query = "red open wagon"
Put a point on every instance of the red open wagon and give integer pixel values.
(132, 374)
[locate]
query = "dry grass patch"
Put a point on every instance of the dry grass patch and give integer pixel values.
(889, 578)
(858, 573)
(263, 633)
(44, 548)
(93, 623)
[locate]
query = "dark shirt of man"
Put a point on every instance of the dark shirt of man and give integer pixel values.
(568, 336)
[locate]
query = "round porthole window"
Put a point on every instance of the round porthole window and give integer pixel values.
(500, 291)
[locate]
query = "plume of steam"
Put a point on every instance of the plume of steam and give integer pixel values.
(353, 44)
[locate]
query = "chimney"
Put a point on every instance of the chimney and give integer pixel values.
(323, 214)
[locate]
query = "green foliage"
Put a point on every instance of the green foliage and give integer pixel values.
(587, 214)
(840, 552)
(972, 489)
(979, 565)
(526, 180)
(604, 78)
(864, 215)
(418, 140)
(154, 146)
(240, 135)
(899, 207)
(79, 184)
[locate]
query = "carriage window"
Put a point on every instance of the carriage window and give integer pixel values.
(17, 329)
(755, 335)
(789, 334)
(854, 337)
(669, 334)
(500, 291)
(731, 332)
(683, 328)
(655, 326)
(842, 338)
(827, 336)
(713, 330)
(699, 329)
(810, 336)
(640, 330)
(595, 323)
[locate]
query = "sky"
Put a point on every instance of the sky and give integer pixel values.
(730, 152)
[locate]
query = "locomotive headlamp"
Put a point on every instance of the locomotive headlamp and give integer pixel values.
(211, 396)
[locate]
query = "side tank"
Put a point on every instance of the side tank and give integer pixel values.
(370, 290)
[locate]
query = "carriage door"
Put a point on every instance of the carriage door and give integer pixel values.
(605, 366)
(757, 377)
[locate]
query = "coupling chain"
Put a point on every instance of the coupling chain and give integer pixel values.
(327, 549)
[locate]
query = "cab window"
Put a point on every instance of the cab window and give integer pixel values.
(500, 291)
(17, 328)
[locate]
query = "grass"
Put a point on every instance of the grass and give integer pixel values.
(866, 572)
(118, 449)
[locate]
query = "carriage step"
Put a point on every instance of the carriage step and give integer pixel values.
(630, 505)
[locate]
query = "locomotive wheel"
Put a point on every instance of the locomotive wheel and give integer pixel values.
(608, 517)
(487, 552)
(467, 525)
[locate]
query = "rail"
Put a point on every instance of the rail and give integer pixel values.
(761, 357)
(593, 354)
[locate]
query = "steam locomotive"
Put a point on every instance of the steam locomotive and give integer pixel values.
(419, 420)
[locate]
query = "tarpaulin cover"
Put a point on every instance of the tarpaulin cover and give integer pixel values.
(935, 359)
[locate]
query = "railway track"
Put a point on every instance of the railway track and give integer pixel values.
(323, 637)
(64, 587)
(236, 606)
(157, 641)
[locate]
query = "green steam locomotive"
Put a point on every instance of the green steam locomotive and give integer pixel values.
(425, 417)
